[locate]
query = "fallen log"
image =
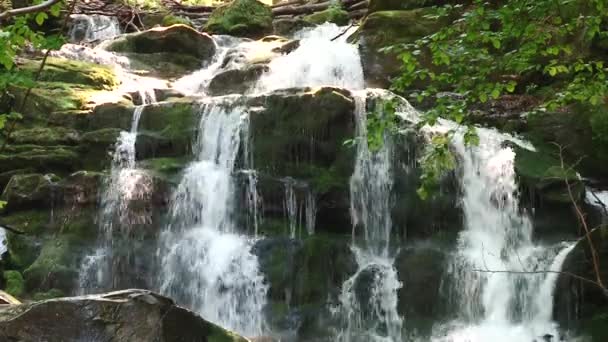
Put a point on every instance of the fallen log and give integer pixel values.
(304, 9)
(359, 5)
(358, 14)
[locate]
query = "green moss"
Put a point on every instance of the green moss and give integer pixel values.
(60, 159)
(104, 136)
(22, 250)
(45, 136)
(241, 17)
(30, 221)
(165, 166)
(333, 14)
(74, 72)
(175, 122)
(50, 294)
(596, 327)
(53, 268)
(171, 19)
(218, 334)
(14, 283)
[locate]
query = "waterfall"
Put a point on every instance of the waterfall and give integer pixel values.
(125, 185)
(92, 28)
(371, 315)
(493, 303)
(3, 242)
(206, 264)
(317, 61)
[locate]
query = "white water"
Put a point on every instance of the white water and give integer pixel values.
(317, 62)
(3, 247)
(373, 317)
(494, 303)
(206, 263)
(92, 28)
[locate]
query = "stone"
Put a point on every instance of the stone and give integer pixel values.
(28, 191)
(45, 136)
(386, 28)
(64, 70)
(57, 159)
(236, 81)
(55, 266)
(13, 283)
(333, 14)
(247, 18)
(287, 27)
(179, 39)
(122, 316)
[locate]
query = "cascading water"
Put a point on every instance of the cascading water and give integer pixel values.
(206, 263)
(92, 28)
(318, 61)
(495, 302)
(126, 185)
(2, 242)
(371, 314)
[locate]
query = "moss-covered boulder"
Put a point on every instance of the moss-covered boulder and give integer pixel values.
(333, 14)
(396, 5)
(249, 18)
(167, 129)
(580, 305)
(387, 28)
(165, 51)
(14, 284)
(236, 81)
(57, 159)
(123, 316)
(63, 70)
(28, 191)
(541, 174)
(55, 267)
(45, 136)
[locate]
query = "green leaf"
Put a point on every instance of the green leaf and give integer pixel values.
(2, 204)
(41, 17)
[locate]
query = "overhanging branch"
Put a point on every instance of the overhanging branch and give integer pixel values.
(30, 9)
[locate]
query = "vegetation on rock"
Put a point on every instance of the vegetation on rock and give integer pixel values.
(241, 18)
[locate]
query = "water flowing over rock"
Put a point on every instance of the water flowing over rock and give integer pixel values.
(129, 315)
(92, 28)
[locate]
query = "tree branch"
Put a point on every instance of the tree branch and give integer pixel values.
(30, 9)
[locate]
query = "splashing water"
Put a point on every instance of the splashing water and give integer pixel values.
(318, 61)
(497, 306)
(371, 314)
(3, 248)
(206, 264)
(93, 28)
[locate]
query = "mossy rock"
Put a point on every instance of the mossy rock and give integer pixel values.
(167, 129)
(249, 18)
(167, 168)
(103, 137)
(288, 26)
(46, 136)
(14, 283)
(235, 81)
(50, 294)
(163, 64)
(6, 176)
(395, 5)
(117, 115)
(386, 28)
(170, 19)
(22, 250)
(54, 267)
(541, 173)
(58, 159)
(333, 14)
(80, 189)
(178, 39)
(63, 70)
(27, 191)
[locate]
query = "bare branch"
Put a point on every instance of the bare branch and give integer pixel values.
(29, 9)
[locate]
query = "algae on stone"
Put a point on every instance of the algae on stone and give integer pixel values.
(333, 14)
(14, 283)
(249, 18)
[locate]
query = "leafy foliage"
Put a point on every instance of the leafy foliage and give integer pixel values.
(504, 47)
(21, 33)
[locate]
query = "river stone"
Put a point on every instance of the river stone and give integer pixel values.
(247, 18)
(122, 316)
(235, 81)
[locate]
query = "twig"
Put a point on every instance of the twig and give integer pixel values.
(12, 229)
(343, 32)
(29, 9)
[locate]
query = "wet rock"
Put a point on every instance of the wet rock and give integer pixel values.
(580, 306)
(286, 27)
(123, 316)
(45, 136)
(387, 28)
(334, 15)
(58, 159)
(247, 18)
(236, 81)
(165, 51)
(28, 191)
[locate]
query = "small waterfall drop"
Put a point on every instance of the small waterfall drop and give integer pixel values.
(206, 264)
(371, 314)
(318, 61)
(494, 304)
(3, 242)
(92, 28)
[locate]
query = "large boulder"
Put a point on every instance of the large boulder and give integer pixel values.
(249, 18)
(27, 191)
(168, 51)
(581, 305)
(386, 28)
(123, 316)
(235, 81)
